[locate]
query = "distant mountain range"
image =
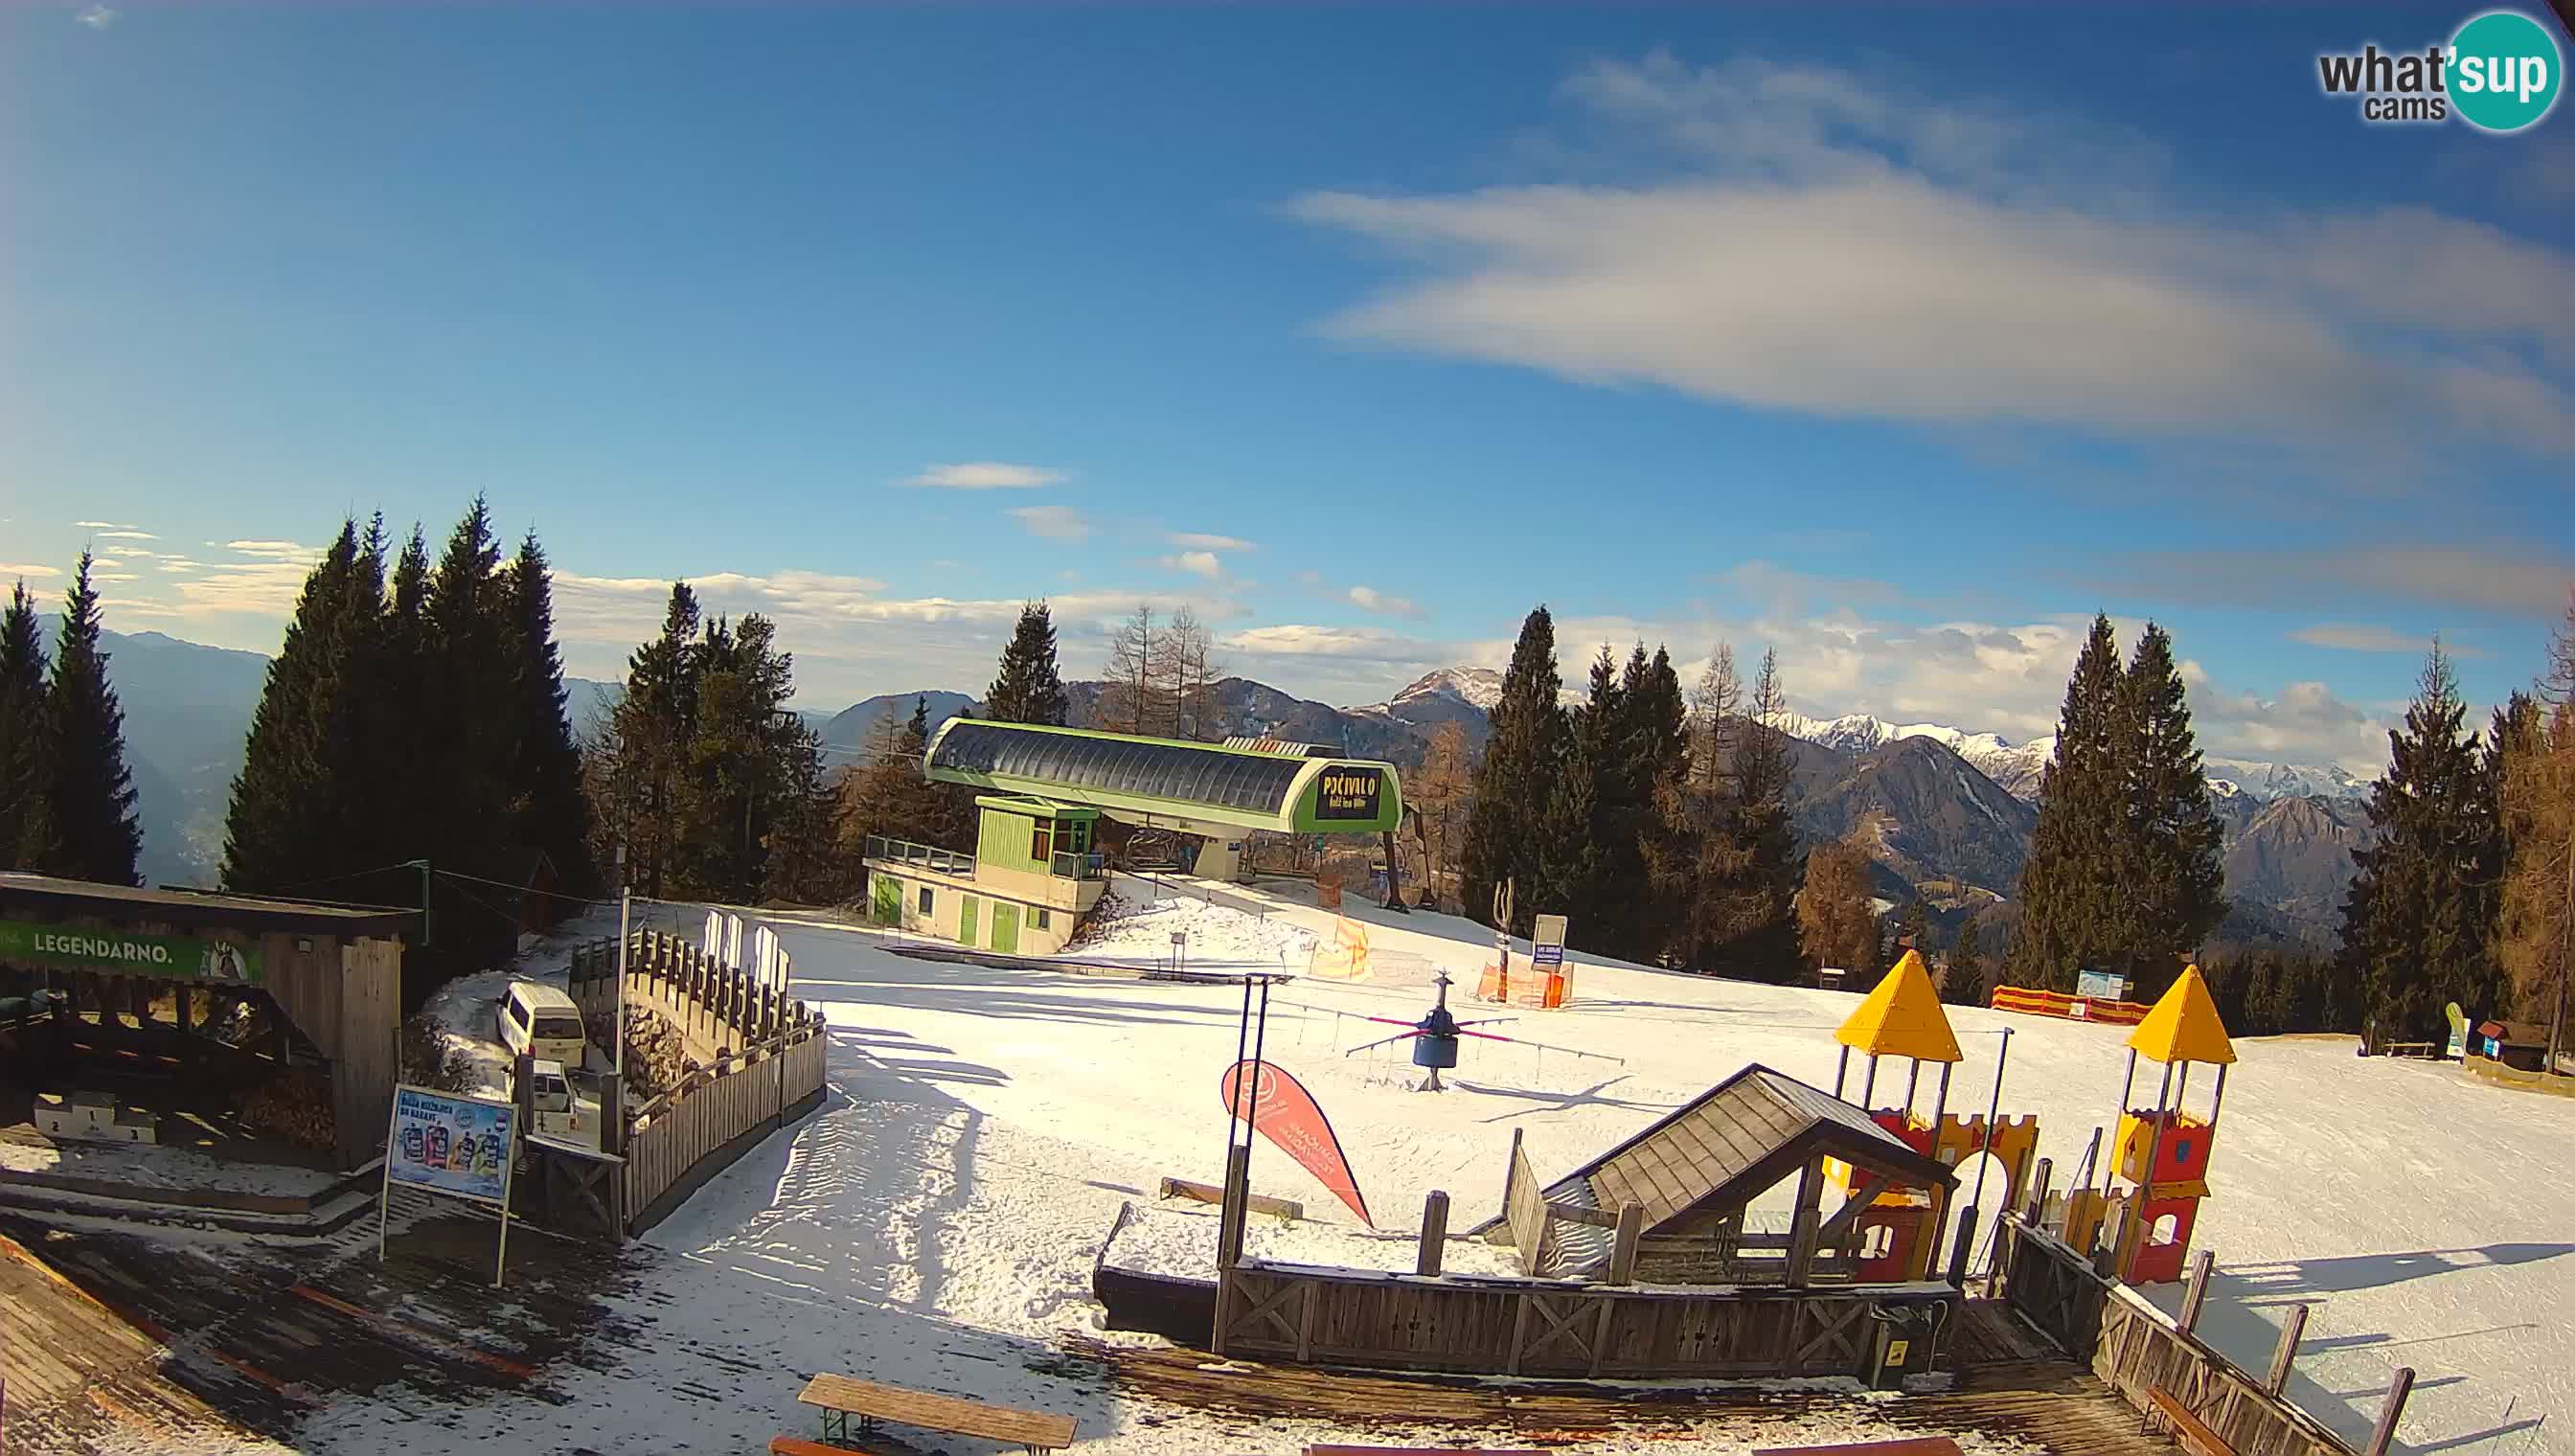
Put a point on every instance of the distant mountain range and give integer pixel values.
(1946, 811)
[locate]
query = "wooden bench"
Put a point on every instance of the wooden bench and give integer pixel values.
(840, 1397)
(2406, 1048)
(2193, 1433)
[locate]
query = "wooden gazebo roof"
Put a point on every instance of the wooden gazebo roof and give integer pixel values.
(1737, 1139)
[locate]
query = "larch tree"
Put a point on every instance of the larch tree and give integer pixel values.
(1127, 694)
(90, 791)
(1440, 796)
(26, 827)
(1837, 926)
(1515, 785)
(1028, 687)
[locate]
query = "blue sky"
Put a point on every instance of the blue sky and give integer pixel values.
(1902, 340)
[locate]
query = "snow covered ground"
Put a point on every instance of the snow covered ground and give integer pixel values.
(935, 1224)
(160, 1167)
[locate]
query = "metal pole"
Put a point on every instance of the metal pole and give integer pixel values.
(617, 1031)
(1842, 1069)
(1994, 1109)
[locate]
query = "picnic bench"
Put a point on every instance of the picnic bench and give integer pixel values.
(839, 1397)
(2188, 1429)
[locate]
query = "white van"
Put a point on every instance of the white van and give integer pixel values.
(539, 1020)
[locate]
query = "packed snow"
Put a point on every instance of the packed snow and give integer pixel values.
(935, 1224)
(153, 1166)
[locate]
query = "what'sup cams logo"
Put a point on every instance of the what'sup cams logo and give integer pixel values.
(2501, 72)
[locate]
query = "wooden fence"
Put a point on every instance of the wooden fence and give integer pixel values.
(1541, 1328)
(765, 1055)
(2136, 1348)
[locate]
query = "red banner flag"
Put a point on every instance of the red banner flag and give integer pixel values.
(1280, 1109)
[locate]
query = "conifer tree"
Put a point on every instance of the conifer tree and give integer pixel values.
(2170, 884)
(26, 828)
(1581, 867)
(549, 811)
(2069, 917)
(1029, 687)
(1912, 924)
(291, 802)
(1962, 982)
(1514, 784)
(2418, 925)
(399, 719)
(474, 707)
(2535, 773)
(647, 735)
(804, 866)
(91, 792)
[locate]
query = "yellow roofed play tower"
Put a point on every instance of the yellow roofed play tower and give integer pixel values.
(2162, 1153)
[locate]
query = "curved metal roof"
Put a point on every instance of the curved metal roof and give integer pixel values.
(1198, 774)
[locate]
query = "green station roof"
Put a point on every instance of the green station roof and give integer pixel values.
(1166, 780)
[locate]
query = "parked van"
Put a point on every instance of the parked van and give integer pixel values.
(541, 1021)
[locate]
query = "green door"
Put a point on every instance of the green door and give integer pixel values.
(965, 923)
(1006, 927)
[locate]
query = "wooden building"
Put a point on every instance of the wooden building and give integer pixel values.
(1693, 1174)
(333, 972)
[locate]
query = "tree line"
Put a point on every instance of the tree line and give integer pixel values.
(66, 794)
(1656, 820)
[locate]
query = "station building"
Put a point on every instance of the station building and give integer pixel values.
(1036, 871)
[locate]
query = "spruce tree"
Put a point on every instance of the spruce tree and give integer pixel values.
(803, 865)
(1963, 984)
(649, 731)
(1515, 785)
(474, 710)
(549, 811)
(2069, 915)
(91, 792)
(1028, 687)
(1582, 872)
(290, 801)
(400, 722)
(2170, 887)
(26, 828)
(2419, 922)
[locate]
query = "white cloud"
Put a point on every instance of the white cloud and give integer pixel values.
(105, 561)
(1197, 563)
(1370, 599)
(1200, 541)
(127, 536)
(1053, 523)
(272, 550)
(99, 17)
(113, 576)
(986, 474)
(1830, 248)
(14, 570)
(102, 526)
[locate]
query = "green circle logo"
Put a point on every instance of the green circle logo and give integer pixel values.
(2505, 71)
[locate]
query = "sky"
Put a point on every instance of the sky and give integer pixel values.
(1901, 341)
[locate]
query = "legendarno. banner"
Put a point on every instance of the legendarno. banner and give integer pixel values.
(128, 953)
(1280, 1108)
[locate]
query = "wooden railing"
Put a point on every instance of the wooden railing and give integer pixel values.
(762, 1057)
(2136, 1348)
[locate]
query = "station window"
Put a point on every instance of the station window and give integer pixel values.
(1041, 921)
(925, 899)
(1041, 848)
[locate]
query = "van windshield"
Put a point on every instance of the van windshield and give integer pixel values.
(558, 1028)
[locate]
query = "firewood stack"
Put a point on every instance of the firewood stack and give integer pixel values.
(295, 1107)
(657, 1058)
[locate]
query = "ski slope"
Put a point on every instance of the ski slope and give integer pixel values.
(935, 1223)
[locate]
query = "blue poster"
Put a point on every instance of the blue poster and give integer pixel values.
(451, 1145)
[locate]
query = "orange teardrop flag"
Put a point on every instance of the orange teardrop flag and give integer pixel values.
(1282, 1110)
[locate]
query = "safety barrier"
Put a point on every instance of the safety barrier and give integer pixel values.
(2071, 1008)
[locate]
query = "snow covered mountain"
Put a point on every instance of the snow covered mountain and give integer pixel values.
(2018, 767)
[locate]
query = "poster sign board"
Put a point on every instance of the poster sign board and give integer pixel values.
(2101, 986)
(1546, 941)
(455, 1146)
(459, 1146)
(1348, 793)
(130, 952)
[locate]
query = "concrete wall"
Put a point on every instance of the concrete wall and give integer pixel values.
(1060, 901)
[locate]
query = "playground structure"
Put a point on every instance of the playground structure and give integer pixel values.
(1899, 1233)
(2157, 1171)
(1036, 869)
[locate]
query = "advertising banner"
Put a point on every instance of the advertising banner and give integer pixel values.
(2101, 986)
(1280, 1108)
(1546, 941)
(129, 952)
(1348, 793)
(460, 1146)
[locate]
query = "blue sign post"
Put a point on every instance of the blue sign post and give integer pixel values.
(463, 1147)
